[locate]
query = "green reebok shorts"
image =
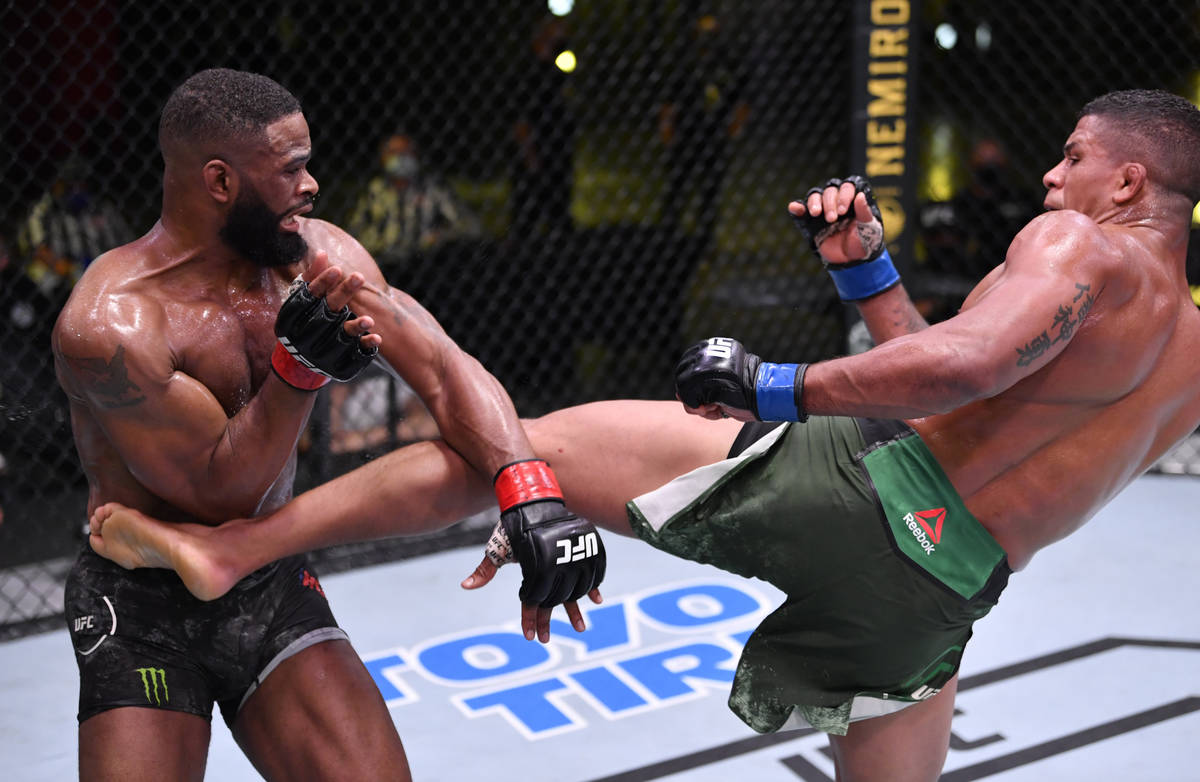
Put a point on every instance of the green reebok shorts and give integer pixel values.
(884, 569)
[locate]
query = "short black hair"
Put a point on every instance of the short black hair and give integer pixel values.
(1161, 130)
(220, 105)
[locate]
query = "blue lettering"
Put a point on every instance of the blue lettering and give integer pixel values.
(379, 669)
(482, 656)
(664, 673)
(697, 605)
(526, 706)
(608, 627)
(612, 693)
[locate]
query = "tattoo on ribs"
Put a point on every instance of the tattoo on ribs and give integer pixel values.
(1063, 326)
(109, 380)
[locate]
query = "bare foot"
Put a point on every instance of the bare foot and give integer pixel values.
(133, 540)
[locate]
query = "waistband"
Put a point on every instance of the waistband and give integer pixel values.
(876, 431)
(927, 520)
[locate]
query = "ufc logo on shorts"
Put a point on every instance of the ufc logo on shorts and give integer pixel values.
(583, 547)
(720, 346)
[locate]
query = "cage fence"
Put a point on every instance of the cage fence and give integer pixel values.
(598, 189)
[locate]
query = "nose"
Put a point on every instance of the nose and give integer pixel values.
(1053, 178)
(308, 184)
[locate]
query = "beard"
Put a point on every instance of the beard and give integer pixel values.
(252, 230)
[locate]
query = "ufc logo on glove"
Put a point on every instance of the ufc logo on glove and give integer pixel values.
(721, 347)
(584, 546)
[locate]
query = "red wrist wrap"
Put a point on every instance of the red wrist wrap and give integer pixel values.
(525, 481)
(292, 372)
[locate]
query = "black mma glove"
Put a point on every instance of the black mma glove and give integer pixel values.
(818, 230)
(313, 346)
(562, 556)
(720, 371)
(864, 277)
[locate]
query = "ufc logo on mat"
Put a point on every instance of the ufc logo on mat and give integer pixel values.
(584, 546)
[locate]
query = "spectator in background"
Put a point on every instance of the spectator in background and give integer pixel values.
(62, 232)
(967, 236)
(406, 210)
(706, 112)
(67, 227)
(544, 137)
(964, 238)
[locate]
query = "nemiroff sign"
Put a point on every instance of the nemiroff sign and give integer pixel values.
(883, 126)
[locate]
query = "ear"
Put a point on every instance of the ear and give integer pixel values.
(1132, 181)
(220, 181)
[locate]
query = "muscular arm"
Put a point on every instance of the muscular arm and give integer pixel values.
(888, 314)
(473, 412)
(1021, 317)
(169, 430)
(891, 314)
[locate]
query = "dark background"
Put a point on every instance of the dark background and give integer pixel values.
(600, 309)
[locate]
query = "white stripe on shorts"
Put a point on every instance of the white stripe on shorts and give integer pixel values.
(667, 501)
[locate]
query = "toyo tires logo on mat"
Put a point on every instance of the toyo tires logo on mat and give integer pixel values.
(497, 672)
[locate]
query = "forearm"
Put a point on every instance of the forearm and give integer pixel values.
(251, 452)
(903, 378)
(476, 417)
(474, 413)
(891, 314)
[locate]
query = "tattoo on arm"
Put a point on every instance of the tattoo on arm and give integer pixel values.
(911, 321)
(1062, 327)
(108, 380)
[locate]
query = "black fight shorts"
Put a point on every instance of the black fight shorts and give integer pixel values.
(141, 639)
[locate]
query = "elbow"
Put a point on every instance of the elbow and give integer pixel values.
(962, 385)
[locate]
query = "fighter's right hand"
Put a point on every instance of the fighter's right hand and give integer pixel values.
(316, 344)
(719, 371)
(718, 377)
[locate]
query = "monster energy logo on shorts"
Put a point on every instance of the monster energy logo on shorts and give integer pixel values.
(151, 679)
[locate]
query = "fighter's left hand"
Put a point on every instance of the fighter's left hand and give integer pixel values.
(827, 212)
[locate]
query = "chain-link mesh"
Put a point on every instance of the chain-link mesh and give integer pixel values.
(587, 194)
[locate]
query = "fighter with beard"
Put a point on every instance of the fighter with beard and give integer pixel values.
(185, 405)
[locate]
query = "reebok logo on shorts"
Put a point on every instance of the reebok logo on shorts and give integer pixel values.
(926, 527)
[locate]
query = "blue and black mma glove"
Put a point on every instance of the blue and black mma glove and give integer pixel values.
(861, 279)
(313, 346)
(720, 371)
(562, 556)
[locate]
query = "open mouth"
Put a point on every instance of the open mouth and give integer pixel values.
(289, 221)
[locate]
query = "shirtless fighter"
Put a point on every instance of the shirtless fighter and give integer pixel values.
(948, 454)
(185, 405)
